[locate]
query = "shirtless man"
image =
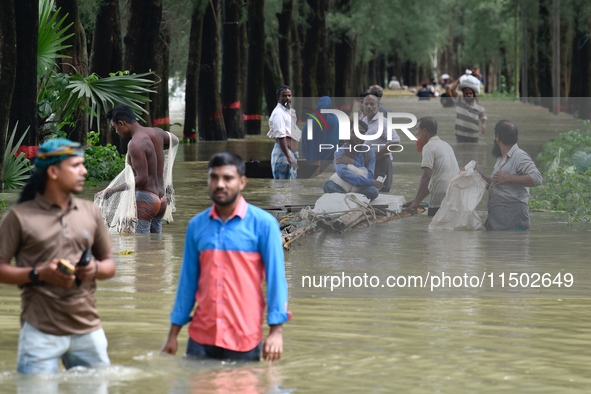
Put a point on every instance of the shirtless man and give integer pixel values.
(146, 156)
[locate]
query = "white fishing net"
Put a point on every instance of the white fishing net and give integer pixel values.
(117, 202)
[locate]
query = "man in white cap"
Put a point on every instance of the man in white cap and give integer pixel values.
(470, 115)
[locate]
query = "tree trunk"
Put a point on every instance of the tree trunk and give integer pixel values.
(243, 60)
(314, 36)
(159, 100)
(360, 83)
(211, 121)
(24, 95)
(192, 74)
(298, 36)
(324, 75)
(76, 62)
(567, 34)
(544, 47)
(345, 58)
(273, 77)
(381, 71)
(7, 73)
(143, 29)
(255, 78)
(285, 24)
(580, 89)
(371, 74)
(231, 67)
(296, 62)
(107, 57)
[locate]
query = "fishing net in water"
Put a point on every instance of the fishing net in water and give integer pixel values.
(117, 202)
(169, 156)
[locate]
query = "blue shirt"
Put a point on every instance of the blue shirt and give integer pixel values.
(224, 267)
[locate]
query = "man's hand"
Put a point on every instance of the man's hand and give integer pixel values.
(87, 272)
(344, 160)
(293, 163)
(273, 346)
(483, 129)
(378, 184)
(171, 346)
(412, 207)
(49, 273)
(103, 194)
(501, 178)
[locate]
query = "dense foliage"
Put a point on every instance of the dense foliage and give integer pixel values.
(566, 165)
(102, 162)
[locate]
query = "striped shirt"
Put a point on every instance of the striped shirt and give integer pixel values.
(507, 203)
(224, 267)
(468, 118)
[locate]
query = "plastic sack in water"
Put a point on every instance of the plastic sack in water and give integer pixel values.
(458, 208)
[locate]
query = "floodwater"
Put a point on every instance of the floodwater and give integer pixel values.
(375, 339)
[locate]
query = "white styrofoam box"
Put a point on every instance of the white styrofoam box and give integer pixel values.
(394, 203)
(336, 202)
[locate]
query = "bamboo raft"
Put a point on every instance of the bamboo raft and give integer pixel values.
(300, 222)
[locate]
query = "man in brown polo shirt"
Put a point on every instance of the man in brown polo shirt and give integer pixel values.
(59, 318)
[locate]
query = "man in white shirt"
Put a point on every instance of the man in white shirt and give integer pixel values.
(439, 165)
(282, 127)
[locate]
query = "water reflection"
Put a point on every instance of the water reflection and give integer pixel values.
(134, 274)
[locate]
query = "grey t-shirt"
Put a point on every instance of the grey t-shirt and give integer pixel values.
(439, 156)
(507, 203)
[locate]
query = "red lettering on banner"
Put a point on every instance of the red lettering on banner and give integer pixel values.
(161, 121)
(234, 105)
(30, 151)
(251, 117)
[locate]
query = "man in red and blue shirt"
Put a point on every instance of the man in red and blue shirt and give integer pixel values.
(230, 249)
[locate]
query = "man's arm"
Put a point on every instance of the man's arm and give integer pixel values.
(48, 273)
(483, 124)
(271, 250)
(500, 178)
(97, 269)
(423, 189)
(273, 348)
(452, 89)
(527, 175)
(171, 345)
(284, 145)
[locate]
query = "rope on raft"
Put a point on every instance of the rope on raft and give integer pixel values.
(296, 226)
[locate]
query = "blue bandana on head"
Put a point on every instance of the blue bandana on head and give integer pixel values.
(56, 150)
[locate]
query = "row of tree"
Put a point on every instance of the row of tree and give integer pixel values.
(232, 54)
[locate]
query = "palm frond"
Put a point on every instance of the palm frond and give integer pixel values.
(51, 38)
(16, 168)
(103, 93)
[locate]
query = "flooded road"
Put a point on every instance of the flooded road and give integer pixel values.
(378, 339)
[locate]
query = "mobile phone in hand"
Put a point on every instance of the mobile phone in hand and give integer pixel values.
(65, 266)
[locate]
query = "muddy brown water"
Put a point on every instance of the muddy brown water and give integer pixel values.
(375, 339)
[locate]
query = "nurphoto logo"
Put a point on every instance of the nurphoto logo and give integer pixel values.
(345, 130)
